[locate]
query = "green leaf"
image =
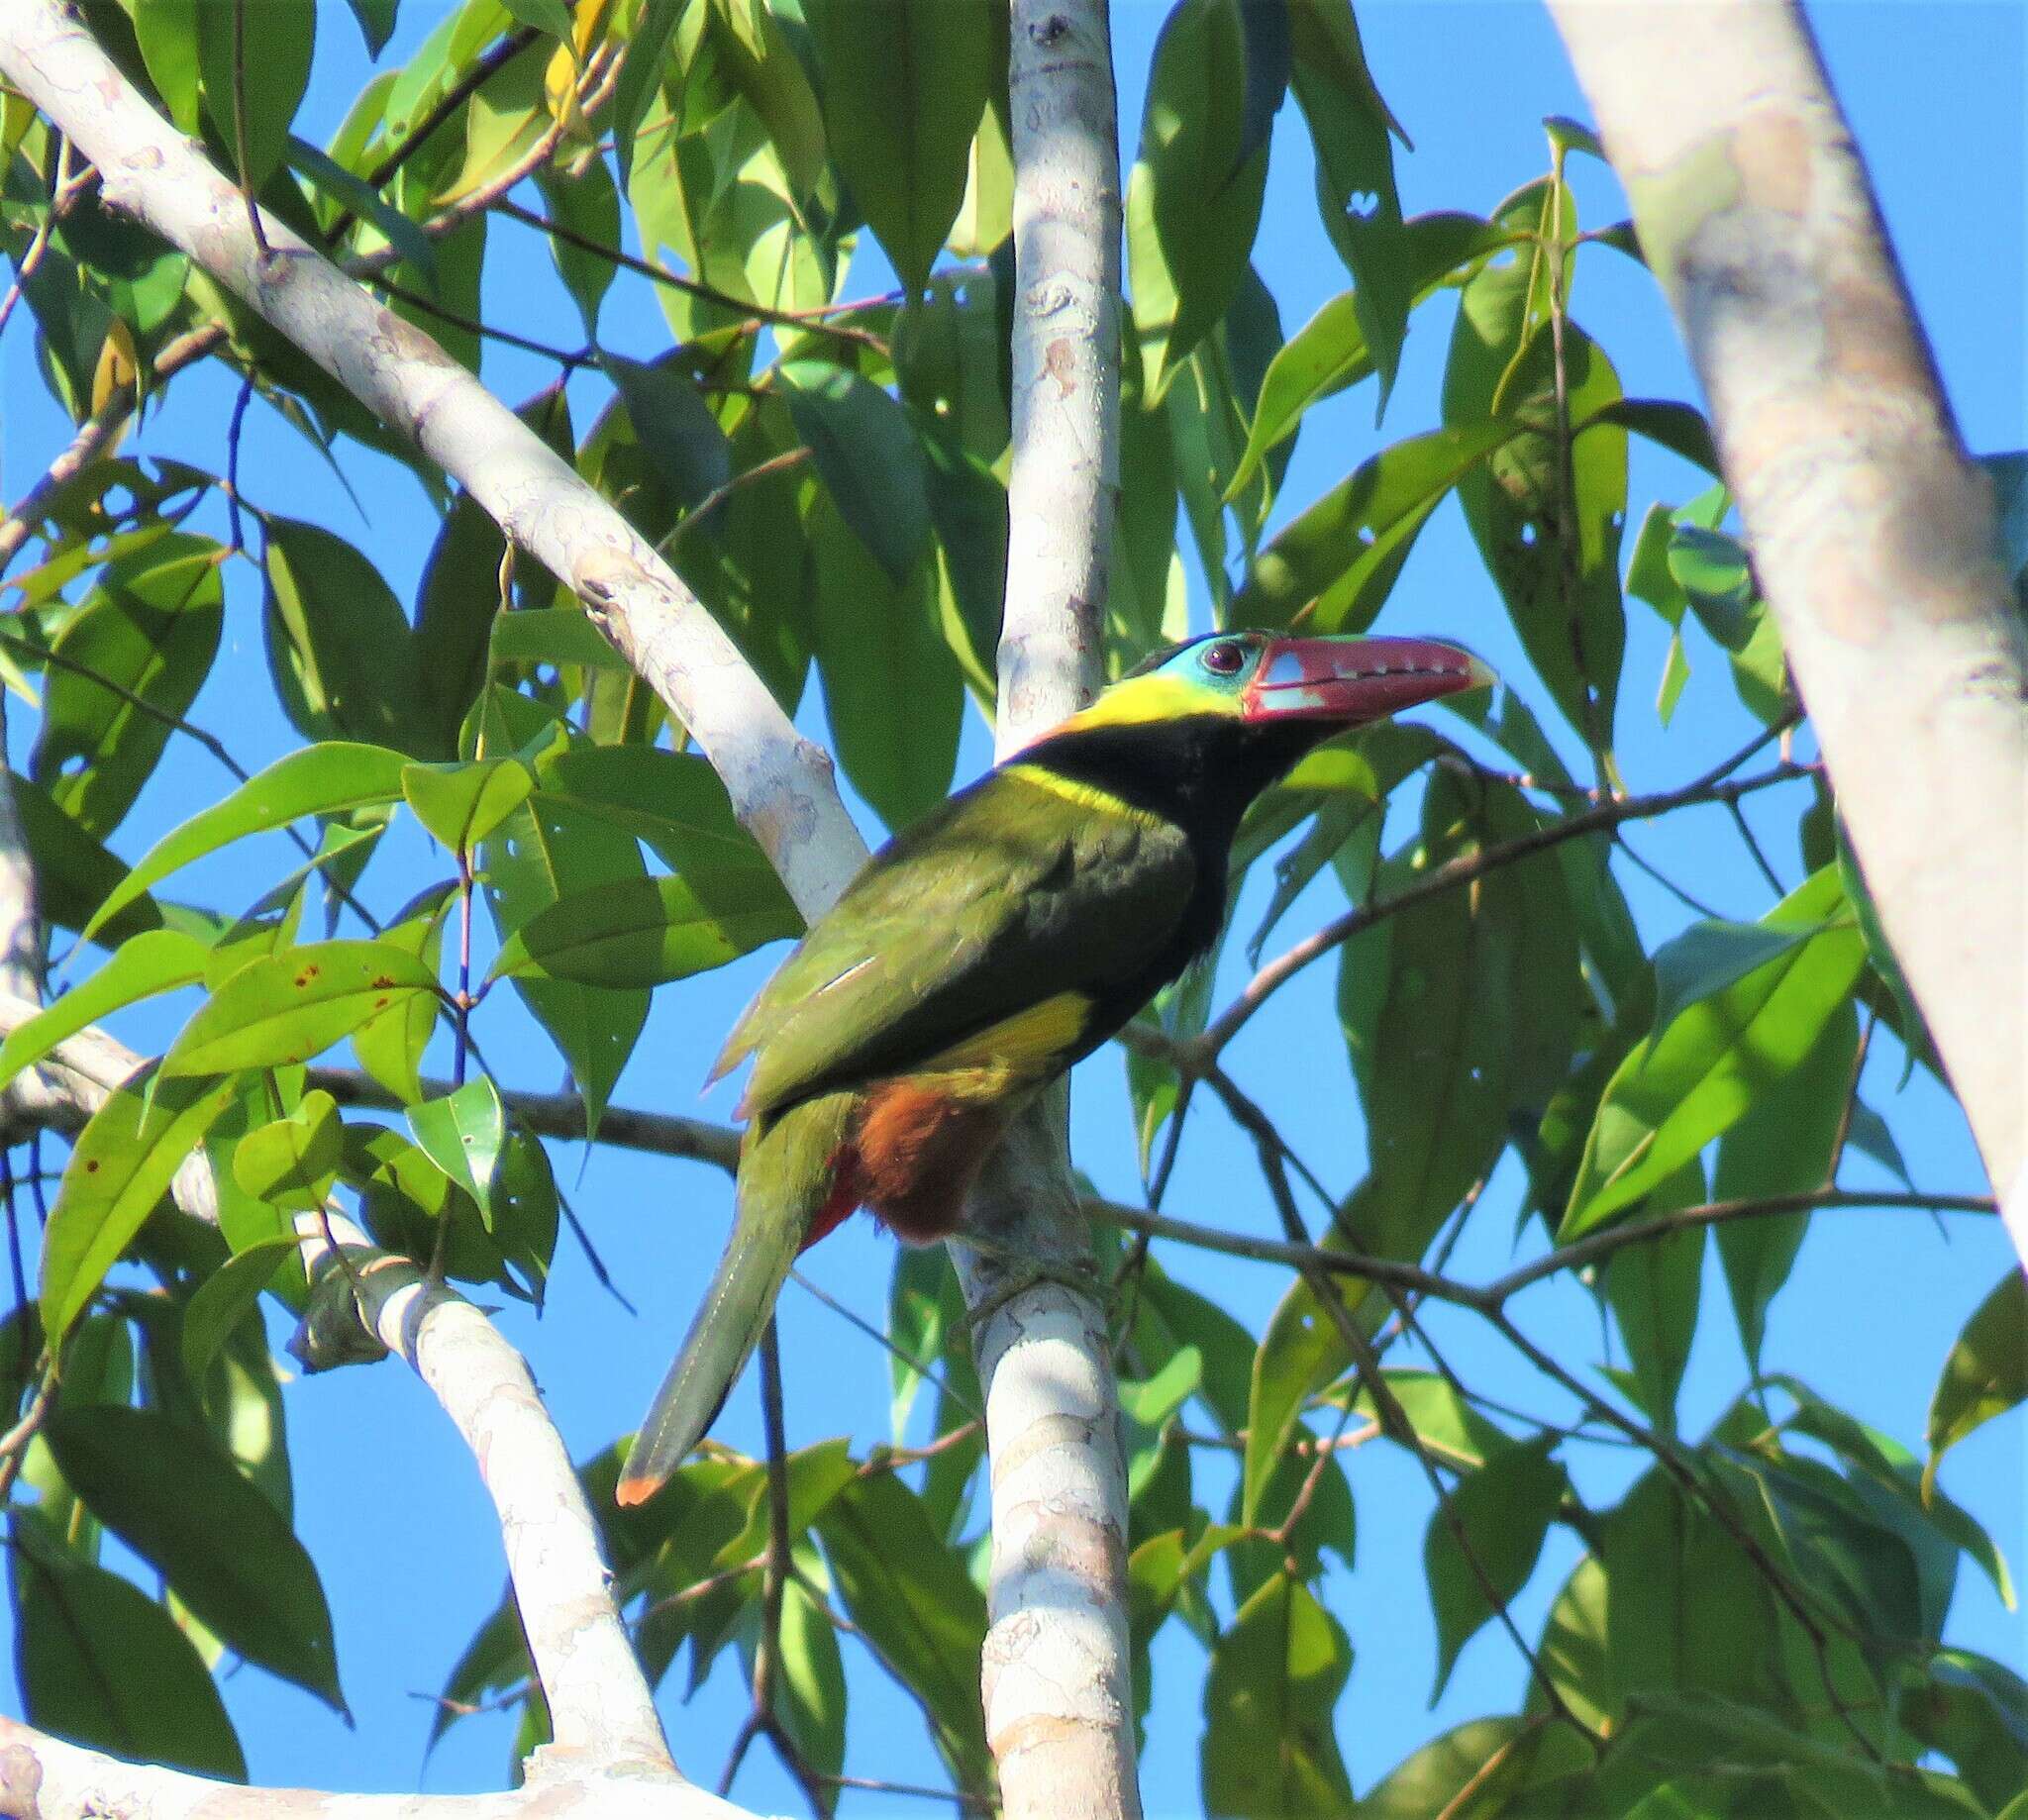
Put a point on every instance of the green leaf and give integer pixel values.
(810, 1697)
(337, 641)
(1328, 352)
(377, 23)
(1193, 199)
(1443, 1421)
(1986, 1375)
(462, 803)
(101, 1664)
(156, 961)
(1461, 1014)
(1784, 1145)
(291, 1163)
(920, 1611)
(1504, 1510)
(462, 1135)
(866, 450)
(647, 55)
(1270, 1702)
(287, 1007)
(554, 635)
(1471, 1772)
(584, 202)
(166, 31)
(1344, 551)
(541, 852)
(756, 58)
(878, 643)
(1654, 1286)
(642, 933)
(120, 1166)
(363, 200)
(1672, 1096)
(133, 659)
(675, 425)
(222, 1299)
(271, 60)
(322, 780)
(1356, 194)
(1914, 1030)
(1300, 1352)
(905, 85)
(1710, 955)
(180, 1504)
(76, 874)
(551, 16)
(390, 1044)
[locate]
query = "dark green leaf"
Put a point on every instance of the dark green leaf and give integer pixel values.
(675, 425)
(1193, 200)
(377, 23)
(363, 200)
(647, 55)
(136, 651)
(120, 1166)
(180, 1505)
(1654, 1287)
(287, 1007)
(1784, 1145)
(101, 1664)
(904, 87)
(1471, 1772)
(757, 59)
(75, 874)
(337, 641)
(912, 1598)
(878, 643)
(1270, 1701)
(553, 635)
(1504, 1510)
(1355, 193)
(1460, 1014)
(867, 452)
(584, 202)
(259, 53)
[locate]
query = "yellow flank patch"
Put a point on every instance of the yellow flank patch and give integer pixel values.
(1024, 1046)
(1085, 795)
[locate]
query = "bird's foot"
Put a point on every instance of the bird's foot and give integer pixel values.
(1023, 1273)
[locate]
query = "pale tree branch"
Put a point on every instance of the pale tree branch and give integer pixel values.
(781, 784)
(1874, 536)
(1057, 1678)
(608, 1753)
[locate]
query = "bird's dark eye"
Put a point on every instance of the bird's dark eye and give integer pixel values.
(1225, 658)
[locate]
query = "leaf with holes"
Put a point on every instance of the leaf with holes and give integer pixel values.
(288, 1007)
(463, 1133)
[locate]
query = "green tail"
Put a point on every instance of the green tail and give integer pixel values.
(786, 1177)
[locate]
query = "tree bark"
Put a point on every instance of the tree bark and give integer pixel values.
(1874, 536)
(1057, 1678)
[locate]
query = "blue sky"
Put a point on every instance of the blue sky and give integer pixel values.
(391, 1508)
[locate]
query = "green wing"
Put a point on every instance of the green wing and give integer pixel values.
(1008, 894)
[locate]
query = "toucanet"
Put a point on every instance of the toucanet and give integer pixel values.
(984, 950)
